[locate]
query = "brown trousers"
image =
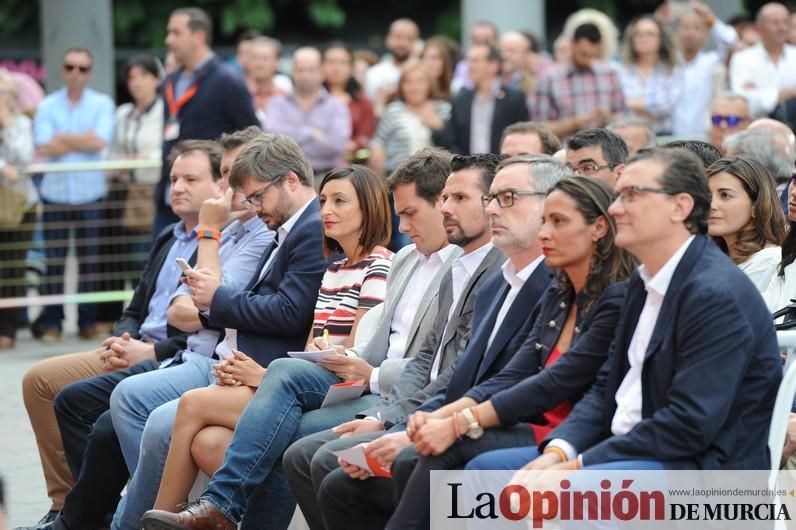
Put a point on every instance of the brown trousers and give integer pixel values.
(39, 387)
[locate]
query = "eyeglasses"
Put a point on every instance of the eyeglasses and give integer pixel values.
(732, 120)
(629, 194)
(587, 168)
(506, 198)
(256, 198)
(71, 67)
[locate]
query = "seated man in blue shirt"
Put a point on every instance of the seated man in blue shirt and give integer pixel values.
(73, 124)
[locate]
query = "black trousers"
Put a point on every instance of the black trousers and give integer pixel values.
(403, 502)
(92, 448)
(14, 245)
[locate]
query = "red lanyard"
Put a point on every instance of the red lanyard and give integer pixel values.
(175, 106)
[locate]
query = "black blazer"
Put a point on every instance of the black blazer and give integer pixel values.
(524, 390)
(709, 380)
(138, 309)
(510, 107)
(478, 363)
(274, 315)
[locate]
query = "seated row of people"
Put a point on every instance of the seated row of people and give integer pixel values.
(515, 331)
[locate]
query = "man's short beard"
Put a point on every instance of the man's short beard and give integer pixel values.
(462, 240)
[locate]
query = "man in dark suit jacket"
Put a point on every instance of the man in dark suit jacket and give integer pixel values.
(479, 114)
(501, 322)
(202, 99)
(694, 369)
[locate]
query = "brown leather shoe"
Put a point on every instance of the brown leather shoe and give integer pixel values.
(197, 515)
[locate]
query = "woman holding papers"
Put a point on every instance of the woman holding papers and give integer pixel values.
(356, 222)
(553, 368)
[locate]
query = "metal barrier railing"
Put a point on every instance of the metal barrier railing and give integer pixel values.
(117, 253)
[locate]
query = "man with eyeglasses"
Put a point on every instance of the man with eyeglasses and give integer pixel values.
(694, 366)
(596, 153)
(73, 124)
(729, 114)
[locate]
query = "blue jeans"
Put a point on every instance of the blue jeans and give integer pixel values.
(516, 457)
(58, 220)
(143, 410)
(278, 412)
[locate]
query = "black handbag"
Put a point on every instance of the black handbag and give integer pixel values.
(789, 312)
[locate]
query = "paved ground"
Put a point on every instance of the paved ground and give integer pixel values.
(19, 459)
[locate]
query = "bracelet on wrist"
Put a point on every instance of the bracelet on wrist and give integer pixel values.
(557, 450)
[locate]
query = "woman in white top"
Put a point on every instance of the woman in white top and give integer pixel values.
(746, 218)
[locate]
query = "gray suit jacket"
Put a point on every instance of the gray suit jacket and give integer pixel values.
(375, 351)
(414, 385)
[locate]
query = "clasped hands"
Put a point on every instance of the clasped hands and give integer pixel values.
(238, 370)
(122, 352)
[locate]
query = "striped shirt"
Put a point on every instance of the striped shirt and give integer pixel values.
(348, 288)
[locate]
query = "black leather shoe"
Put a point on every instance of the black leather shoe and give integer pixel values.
(46, 522)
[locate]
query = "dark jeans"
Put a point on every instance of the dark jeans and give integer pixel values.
(92, 449)
(14, 245)
(59, 220)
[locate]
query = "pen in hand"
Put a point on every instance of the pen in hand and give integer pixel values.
(326, 337)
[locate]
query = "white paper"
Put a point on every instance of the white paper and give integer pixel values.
(354, 455)
(230, 342)
(340, 394)
(312, 356)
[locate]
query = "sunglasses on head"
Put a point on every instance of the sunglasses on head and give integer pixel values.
(83, 69)
(731, 120)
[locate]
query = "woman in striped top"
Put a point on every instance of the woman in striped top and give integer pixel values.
(356, 223)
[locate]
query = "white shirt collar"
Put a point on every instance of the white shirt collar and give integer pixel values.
(471, 261)
(518, 279)
(440, 256)
(288, 225)
(660, 282)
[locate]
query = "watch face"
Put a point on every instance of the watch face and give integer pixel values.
(475, 432)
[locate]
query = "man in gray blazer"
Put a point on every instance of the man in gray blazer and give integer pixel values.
(467, 226)
(287, 404)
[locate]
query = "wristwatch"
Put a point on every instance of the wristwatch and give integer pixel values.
(474, 430)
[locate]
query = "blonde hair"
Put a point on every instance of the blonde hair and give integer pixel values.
(7, 81)
(414, 65)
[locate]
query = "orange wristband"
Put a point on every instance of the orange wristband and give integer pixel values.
(209, 233)
(557, 450)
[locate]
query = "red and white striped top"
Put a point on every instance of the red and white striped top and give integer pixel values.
(348, 288)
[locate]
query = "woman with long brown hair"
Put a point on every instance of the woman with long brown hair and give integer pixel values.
(746, 219)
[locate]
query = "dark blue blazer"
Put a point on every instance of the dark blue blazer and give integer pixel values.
(477, 363)
(222, 104)
(274, 315)
(710, 375)
(524, 390)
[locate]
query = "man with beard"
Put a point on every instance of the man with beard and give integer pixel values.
(318, 122)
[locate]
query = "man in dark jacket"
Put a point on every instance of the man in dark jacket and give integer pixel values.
(201, 100)
(479, 115)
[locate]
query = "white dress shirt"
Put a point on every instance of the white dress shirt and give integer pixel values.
(628, 396)
(383, 74)
(690, 115)
(407, 306)
(462, 270)
(515, 280)
(754, 75)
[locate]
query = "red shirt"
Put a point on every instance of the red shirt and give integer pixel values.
(556, 415)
